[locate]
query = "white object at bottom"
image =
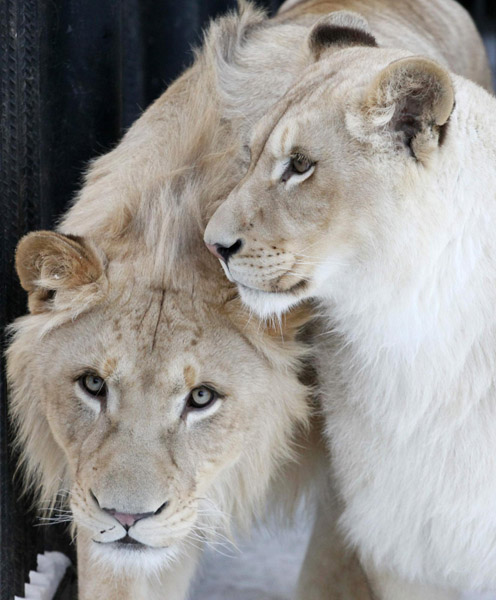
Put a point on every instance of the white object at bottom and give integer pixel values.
(43, 582)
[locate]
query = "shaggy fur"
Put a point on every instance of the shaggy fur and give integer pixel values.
(391, 228)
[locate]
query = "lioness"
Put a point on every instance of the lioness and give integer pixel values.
(371, 189)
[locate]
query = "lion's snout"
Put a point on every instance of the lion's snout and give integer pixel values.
(128, 519)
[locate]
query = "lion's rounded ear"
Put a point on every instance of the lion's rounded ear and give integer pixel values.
(48, 262)
(413, 98)
(338, 29)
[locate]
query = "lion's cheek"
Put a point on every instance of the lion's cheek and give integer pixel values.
(70, 427)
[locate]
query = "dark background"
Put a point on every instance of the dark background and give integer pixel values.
(74, 74)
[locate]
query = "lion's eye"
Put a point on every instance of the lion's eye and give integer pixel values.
(201, 397)
(93, 385)
(300, 164)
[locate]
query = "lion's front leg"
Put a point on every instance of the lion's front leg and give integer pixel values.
(331, 571)
(98, 581)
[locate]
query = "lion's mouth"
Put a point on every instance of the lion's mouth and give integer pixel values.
(276, 286)
(268, 303)
(128, 542)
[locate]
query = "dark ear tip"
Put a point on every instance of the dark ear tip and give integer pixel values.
(330, 35)
(342, 28)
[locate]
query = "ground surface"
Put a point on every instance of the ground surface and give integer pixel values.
(266, 568)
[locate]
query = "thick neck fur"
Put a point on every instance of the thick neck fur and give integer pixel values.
(417, 317)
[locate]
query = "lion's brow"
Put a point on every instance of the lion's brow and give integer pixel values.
(291, 98)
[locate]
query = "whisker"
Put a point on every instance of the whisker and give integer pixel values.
(189, 542)
(310, 246)
(52, 522)
(222, 540)
(213, 546)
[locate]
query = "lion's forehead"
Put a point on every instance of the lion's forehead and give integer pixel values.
(310, 97)
(159, 318)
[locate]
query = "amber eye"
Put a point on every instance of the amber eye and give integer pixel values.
(93, 385)
(201, 397)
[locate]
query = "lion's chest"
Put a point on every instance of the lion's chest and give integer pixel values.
(416, 465)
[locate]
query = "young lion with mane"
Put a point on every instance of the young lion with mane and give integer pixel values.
(138, 382)
(142, 392)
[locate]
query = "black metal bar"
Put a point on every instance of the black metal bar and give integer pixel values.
(20, 210)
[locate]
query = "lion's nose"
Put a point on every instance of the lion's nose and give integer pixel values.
(127, 520)
(225, 252)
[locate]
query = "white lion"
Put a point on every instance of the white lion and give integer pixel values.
(371, 189)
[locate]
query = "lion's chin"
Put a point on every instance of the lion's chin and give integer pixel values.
(135, 558)
(269, 304)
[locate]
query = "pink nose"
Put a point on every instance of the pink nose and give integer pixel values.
(213, 249)
(225, 252)
(128, 519)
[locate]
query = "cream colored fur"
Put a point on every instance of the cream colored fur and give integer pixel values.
(391, 228)
(440, 29)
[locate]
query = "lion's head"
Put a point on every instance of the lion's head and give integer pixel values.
(346, 153)
(157, 410)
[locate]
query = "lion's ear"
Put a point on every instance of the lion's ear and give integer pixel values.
(413, 98)
(48, 262)
(338, 29)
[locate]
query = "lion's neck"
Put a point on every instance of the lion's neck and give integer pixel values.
(422, 312)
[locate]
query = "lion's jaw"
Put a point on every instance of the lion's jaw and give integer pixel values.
(150, 544)
(136, 560)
